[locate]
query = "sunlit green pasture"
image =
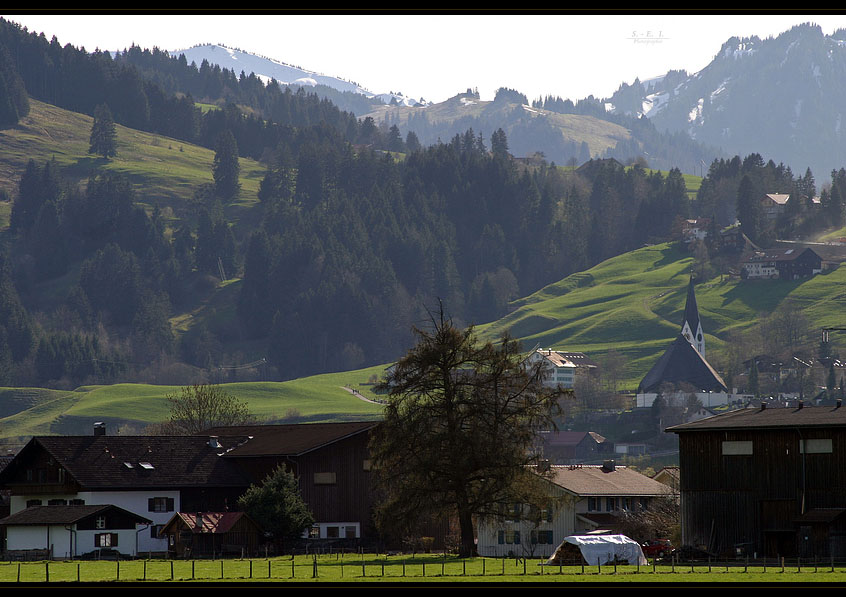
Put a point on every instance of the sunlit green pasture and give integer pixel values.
(409, 568)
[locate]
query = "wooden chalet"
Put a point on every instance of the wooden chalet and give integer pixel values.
(785, 264)
(196, 534)
(330, 460)
(766, 481)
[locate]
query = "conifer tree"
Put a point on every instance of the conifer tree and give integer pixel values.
(226, 168)
(103, 139)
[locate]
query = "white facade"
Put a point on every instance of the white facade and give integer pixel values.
(760, 269)
(67, 542)
(133, 501)
(559, 371)
(538, 534)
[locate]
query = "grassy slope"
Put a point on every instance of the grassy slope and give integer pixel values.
(165, 171)
(634, 304)
(127, 408)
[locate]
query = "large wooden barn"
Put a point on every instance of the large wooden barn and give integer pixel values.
(765, 481)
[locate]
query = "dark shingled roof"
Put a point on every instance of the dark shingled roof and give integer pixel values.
(681, 363)
(288, 440)
(41, 515)
(135, 462)
(769, 418)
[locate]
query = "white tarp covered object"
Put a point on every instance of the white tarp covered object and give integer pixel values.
(603, 549)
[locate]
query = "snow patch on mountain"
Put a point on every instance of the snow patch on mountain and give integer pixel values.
(268, 68)
(653, 103)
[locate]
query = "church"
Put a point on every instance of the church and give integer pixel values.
(683, 368)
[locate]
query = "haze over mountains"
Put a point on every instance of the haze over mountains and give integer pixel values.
(780, 97)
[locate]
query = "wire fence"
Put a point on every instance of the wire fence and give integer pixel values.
(341, 567)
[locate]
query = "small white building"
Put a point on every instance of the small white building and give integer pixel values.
(69, 531)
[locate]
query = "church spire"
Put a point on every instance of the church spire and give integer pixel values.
(692, 325)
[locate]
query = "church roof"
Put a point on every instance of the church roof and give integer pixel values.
(681, 363)
(691, 310)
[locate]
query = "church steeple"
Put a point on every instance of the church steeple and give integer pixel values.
(692, 325)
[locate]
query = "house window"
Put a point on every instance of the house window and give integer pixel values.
(737, 448)
(160, 504)
(314, 532)
(154, 530)
(815, 446)
(332, 532)
(594, 504)
(610, 504)
(324, 478)
(77, 502)
(105, 540)
(512, 537)
(30, 503)
(542, 537)
(100, 523)
(57, 502)
(349, 532)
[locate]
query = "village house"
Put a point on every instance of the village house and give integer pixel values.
(158, 477)
(582, 499)
(784, 264)
(774, 204)
(147, 476)
(562, 368)
(573, 447)
(69, 531)
(331, 462)
(765, 481)
(695, 229)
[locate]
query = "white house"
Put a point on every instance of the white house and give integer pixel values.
(561, 367)
(582, 499)
(68, 531)
(148, 477)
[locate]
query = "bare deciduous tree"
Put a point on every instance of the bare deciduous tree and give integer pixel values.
(202, 406)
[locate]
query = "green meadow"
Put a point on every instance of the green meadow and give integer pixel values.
(408, 568)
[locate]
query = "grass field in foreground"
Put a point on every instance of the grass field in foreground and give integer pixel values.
(413, 569)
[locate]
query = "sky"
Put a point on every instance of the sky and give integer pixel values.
(433, 56)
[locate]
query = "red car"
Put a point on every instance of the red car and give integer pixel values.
(657, 548)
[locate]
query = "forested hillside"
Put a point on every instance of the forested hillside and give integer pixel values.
(348, 244)
(321, 261)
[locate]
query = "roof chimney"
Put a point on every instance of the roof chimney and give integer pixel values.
(543, 466)
(213, 442)
(763, 406)
(839, 403)
(99, 428)
(609, 466)
(801, 404)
